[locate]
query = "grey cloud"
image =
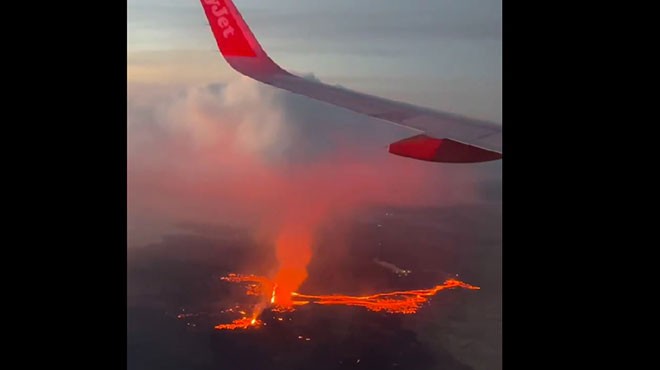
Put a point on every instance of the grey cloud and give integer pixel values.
(192, 153)
(286, 127)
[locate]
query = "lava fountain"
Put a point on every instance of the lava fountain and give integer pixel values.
(293, 251)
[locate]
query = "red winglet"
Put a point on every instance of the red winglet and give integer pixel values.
(229, 35)
(431, 149)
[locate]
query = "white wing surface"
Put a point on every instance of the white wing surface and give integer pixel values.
(443, 137)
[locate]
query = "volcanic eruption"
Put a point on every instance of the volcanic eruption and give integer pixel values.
(396, 302)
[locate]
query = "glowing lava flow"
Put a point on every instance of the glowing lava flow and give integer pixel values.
(402, 302)
(406, 301)
(242, 323)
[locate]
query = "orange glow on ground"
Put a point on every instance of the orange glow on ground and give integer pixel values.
(400, 302)
(242, 323)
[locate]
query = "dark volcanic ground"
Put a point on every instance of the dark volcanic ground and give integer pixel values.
(458, 329)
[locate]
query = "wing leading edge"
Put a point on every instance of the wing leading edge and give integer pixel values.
(444, 137)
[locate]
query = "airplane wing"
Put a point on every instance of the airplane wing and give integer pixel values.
(443, 137)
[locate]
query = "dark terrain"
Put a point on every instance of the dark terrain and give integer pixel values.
(458, 329)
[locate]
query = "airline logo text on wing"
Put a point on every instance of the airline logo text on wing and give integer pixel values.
(221, 17)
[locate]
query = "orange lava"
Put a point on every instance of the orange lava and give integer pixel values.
(242, 323)
(405, 301)
(401, 302)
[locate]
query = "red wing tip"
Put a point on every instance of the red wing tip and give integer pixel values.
(430, 149)
(231, 37)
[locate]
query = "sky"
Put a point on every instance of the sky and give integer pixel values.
(443, 54)
(208, 146)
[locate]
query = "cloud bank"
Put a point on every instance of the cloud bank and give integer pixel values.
(257, 157)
